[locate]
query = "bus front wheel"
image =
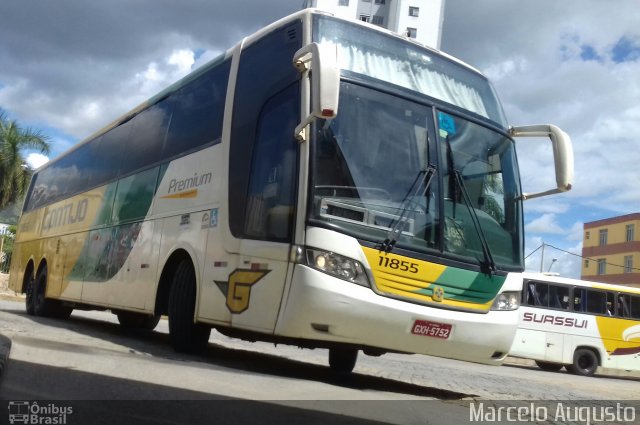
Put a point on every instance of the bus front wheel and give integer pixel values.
(186, 335)
(342, 360)
(585, 362)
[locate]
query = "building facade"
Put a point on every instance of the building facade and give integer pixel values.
(418, 19)
(611, 250)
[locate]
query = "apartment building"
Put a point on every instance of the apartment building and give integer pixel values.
(418, 19)
(611, 250)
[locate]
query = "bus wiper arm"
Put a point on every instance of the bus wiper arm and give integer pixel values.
(489, 265)
(423, 177)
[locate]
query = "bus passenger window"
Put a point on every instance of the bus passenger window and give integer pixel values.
(623, 306)
(542, 294)
(559, 297)
(579, 295)
(531, 293)
(596, 302)
(634, 306)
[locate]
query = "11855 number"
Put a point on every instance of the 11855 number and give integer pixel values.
(394, 263)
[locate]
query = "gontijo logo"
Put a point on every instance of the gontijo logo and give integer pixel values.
(187, 187)
(67, 214)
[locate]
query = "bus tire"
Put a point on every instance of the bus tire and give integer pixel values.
(342, 360)
(585, 362)
(43, 306)
(186, 336)
(137, 321)
(549, 366)
(29, 302)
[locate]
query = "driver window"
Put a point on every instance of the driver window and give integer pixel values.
(274, 171)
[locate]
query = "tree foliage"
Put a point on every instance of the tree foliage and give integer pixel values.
(15, 173)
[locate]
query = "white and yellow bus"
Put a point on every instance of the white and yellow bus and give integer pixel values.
(578, 324)
(324, 183)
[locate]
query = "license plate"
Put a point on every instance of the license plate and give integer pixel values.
(432, 329)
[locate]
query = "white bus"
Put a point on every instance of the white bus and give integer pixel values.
(578, 324)
(324, 183)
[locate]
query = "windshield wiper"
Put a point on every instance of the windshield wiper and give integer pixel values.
(424, 177)
(488, 266)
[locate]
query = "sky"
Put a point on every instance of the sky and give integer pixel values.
(70, 67)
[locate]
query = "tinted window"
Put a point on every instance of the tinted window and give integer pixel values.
(547, 295)
(265, 69)
(628, 306)
(113, 148)
(559, 297)
(590, 301)
(272, 184)
(134, 196)
(148, 137)
(198, 110)
(71, 174)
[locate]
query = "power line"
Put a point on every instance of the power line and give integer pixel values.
(580, 256)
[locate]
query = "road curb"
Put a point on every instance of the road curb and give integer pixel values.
(5, 349)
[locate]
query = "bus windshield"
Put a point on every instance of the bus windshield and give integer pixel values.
(377, 171)
(394, 60)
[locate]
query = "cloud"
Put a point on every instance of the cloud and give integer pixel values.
(36, 160)
(77, 66)
(545, 224)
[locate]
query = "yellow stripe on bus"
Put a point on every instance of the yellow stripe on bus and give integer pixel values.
(193, 193)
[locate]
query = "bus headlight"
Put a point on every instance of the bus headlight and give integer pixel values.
(506, 301)
(337, 265)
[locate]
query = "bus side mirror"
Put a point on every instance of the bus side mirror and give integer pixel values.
(320, 61)
(562, 155)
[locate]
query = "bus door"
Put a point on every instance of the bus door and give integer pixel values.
(268, 224)
(554, 346)
(263, 171)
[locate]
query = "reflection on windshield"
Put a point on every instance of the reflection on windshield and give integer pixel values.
(367, 161)
(480, 184)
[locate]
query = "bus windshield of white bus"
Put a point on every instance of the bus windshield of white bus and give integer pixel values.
(403, 170)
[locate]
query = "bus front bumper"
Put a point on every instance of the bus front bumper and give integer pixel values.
(323, 308)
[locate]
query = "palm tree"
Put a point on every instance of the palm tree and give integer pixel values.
(14, 170)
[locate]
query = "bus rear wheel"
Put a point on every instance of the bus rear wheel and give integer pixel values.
(43, 306)
(186, 335)
(549, 366)
(30, 295)
(585, 362)
(342, 360)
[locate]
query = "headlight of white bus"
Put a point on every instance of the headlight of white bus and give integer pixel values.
(337, 265)
(506, 301)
